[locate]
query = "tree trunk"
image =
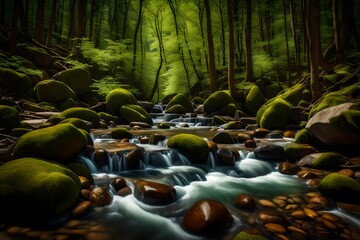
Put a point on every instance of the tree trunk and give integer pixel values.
(314, 42)
(304, 26)
(138, 22)
(81, 19)
(191, 58)
(296, 39)
(71, 22)
(40, 14)
(126, 11)
(231, 80)
(238, 38)
(51, 22)
(249, 64)
(157, 76)
(349, 26)
(13, 32)
(201, 19)
(22, 17)
(212, 68)
(286, 41)
(222, 36)
(92, 14)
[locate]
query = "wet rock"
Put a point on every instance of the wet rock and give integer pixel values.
(219, 100)
(100, 157)
(274, 135)
(306, 174)
(319, 200)
(340, 188)
(206, 217)
(9, 117)
(254, 100)
(274, 227)
(14, 81)
(261, 132)
(270, 152)
(212, 146)
(289, 134)
(100, 197)
(133, 158)
(325, 160)
(139, 125)
(234, 125)
(271, 216)
(295, 151)
(164, 126)
(223, 138)
(82, 209)
(242, 137)
(118, 183)
(275, 114)
(85, 193)
(119, 133)
(266, 203)
(85, 183)
(288, 168)
(182, 101)
(144, 140)
(226, 156)
(347, 172)
(81, 113)
(250, 143)
(248, 120)
(154, 193)
(124, 191)
(156, 138)
(245, 202)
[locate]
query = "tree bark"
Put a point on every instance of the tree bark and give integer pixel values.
(13, 32)
(126, 11)
(138, 22)
(212, 68)
(81, 19)
(249, 64)
(296, 39)
(286, 40)
(231, 80)
(51, 22)
(40, 14)
(22, 17)
(349, 26)
(72, 21)
(220, 6)
(92, 15)
(201, 20)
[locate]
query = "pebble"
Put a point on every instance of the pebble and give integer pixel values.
(298, 214)
(329, 224)
(319, 200)
(274, 227)
(267, 203)
(250, 143)
(245, 201)
(291, 207)
(330, 217)
(295, 229)
(310, 213)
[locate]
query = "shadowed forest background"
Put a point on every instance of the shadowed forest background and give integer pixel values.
(158, 48)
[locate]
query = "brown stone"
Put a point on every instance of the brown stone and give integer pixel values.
(298, 214)
(245, 202)
(206, 217)
(133, 158)
(118, 183)
(242, 137)
(156, 138)
(15, 231)
(212, 146)
(261, 132)
(82, 209)
(144, 140)
(310, 213)
(267, 203)
(271, 216)
(250, 143)
(274, 227)
(281, 203)
(124, 191)
(347, 172)
(305, 174)
(319, 200)
(85, 183)
(100, 197)
(226, 157)
(288, 168)
(85, 193)
(100, 157)
(289, 134)
(154, 193)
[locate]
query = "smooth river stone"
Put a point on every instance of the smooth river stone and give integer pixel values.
(100, 197)
(267, 203)
(271, 216)
(245, 202)
(82, 209)
(274, 227)
(154, 193)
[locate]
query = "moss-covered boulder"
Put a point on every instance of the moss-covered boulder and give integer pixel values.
(53, 91)
(247, 236)
(176, 108)
(254, 100)
(9, 117)
(294, 94)
(303, 136)
(323, 160)
(37, 55)
(271, 90)
(81, 170)
(77, 122)
(82, 113)
(120, 133)
(106, 116)
(33, 191)
(182, 100)
(135, 113)
(78, 79)
(117, 98)
(14, 81)
(37, 107)
(228, 110)
(274, 115)
(191, 145)
(218, 100)
(68, 103)
(294, 152)
(60, 143)
(198, 100)
(340, 188)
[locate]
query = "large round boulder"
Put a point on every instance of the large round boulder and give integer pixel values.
(254, 100)
(14, 81)
(37, 55)
(78, 79)
(33, 190)
(191, 145)
(274, 115)
(117, 98)
(182, 100)
(135, 113)
(81, 113)
(60, 143)
(9, 117)
(53, 91)
(340, 188)
(218, 100)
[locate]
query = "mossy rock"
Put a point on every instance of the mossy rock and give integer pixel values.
(82, 113)
(24, 124)
(68, 103)
(182, 100)
(340, 188)
(37, 55)
(81, 170)
(117, 98)
(134, 113)
(18, 132)
(176, 108)
(33, 187)
(254, 100)
(9, 117)
(218, 100)
(191, 145)
(7, 101)
(294, 152)
(106, 116)
(198, 100)
(60, 143)
(233, 125)
(303, 136)
(228, 110)
(78, 79)
(327, 160)
(120, 133)
(88, 137)
(14, 81)
(77, 122)
(272, 90)
(247, 236)
(35, 107)
(294, 94)
(168, 98)
(274, 115)
(53, 91)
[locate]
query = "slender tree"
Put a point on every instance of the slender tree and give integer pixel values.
(81, 19)
(212, 68)
(231, 81)
(13, 32)
(249, 64)
(51, 22)
(295, 37)
(220, 6)
(92, 16)
(71, 21)
(22, 17)
(40, 14)
(125, 22)
(286, 39)
(138, 22)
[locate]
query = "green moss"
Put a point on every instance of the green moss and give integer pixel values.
(37, 55)
(303, 136)
(198, 100)
(274, 115)
(117, 98)
(182, 100)
(228, 110)
(176, 108)
(327, 160)
(9, 117)
(271, 90)
(140, 110)
(218, 100)
(106, 116)
(14, 81)
(132, 115)
(82, 113)
(120, 133)
(233, 125)
(340, 188)
(33, 187)
(295, 152)
(78, 79)
(191, 145)
(60, 143)
(81, 170)
(347, 121)
(246, 236)
(254, 100)
(34, 107)
(68, 103)
(53, 91)
(294, 94)
(88, 137)
(77, 122)
(24, 124)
